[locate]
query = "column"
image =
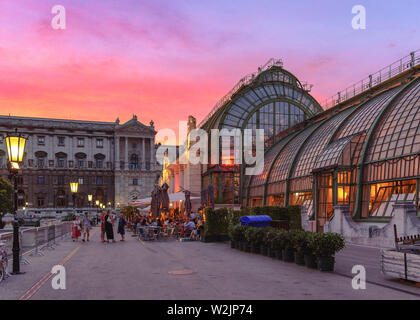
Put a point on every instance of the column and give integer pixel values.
(117, 153)
(143, 154)
(126, 154)
(152, 154)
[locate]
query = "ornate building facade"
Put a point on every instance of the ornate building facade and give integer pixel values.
(113, 162)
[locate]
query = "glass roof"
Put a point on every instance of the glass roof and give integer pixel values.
(363, 118)
(316, 144)
(282, 164)
(399, 133)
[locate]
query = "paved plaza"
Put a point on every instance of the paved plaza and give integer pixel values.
(191, 271)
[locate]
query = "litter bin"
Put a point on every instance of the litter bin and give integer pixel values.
(256, 221)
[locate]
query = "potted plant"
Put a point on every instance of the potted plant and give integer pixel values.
(260, 238)
(277, 245)
(249, 236)
(236, 233)
(288, 250)
(270, 237)
(309, 251)
(326, 246)
(300, 241)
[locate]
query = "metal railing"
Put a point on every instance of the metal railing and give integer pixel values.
(34, 240)
(394, 69)
(243, 82)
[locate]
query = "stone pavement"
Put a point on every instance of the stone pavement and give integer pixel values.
(190, 271)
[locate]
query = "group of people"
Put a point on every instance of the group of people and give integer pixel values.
(107, 221)
(192, 227)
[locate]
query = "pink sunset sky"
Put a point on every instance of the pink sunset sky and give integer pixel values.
(164, 60)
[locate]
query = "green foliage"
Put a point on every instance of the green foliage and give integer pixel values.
(294, 217)
(129, 211)
(217, 222)
(6, 198)
(270, 238)
(237, 233)
(328, 244)
(301, 241)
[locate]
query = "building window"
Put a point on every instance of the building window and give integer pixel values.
(80, 180)
(41, 202)
(99, 143)
(61, 141)
(99, 163)
(135, 182)
(61, 162)
(40, 162)
(80, 142)
(134, 161)
(134, 145)
(41, 180)
(80, 163)
(99, 180)
(41, 140)
(60, 180)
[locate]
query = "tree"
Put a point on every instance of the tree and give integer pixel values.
(128, 211)
(6, 198)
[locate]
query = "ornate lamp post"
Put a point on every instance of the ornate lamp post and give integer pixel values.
(74, 186)
(15, 144)
(90, 197)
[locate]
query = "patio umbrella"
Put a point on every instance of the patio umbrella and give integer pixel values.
(165, 198)
(156, 201)
(188, 202)
(203, 197)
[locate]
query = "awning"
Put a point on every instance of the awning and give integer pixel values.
(173, 197)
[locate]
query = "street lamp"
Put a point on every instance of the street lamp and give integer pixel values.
(90, 200)
(15, 145)
(74, 186)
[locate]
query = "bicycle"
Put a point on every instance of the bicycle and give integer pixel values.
(3, 262)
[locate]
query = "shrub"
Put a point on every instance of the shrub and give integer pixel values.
(301, 241)
(295, 219)
(250, 234)
(237, 233)
(328, 244)
(216, 222)
(270, 238)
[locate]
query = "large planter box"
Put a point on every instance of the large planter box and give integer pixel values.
(401, 265)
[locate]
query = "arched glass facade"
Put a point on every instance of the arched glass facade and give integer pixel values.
(274, 101)
(365, 155)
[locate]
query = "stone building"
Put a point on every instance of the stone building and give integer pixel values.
(113, 162)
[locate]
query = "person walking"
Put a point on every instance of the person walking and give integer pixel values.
(75, 234)
(121, 227)
(109, 230)
(102, 219)
(86, 227)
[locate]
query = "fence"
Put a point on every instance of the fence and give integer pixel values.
(34, 240)
(394, 69)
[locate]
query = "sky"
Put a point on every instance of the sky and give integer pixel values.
(165, 60)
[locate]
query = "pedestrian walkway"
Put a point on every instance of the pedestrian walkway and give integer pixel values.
(180, 270)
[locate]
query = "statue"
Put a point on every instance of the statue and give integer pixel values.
(156, 201)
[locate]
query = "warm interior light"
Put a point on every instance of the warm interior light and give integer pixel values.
(97, 202)
(89, 197)
(74, 186)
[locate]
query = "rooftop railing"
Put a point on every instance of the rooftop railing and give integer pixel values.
(243, 82)
(394, 69)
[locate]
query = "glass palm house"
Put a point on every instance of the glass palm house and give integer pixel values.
(362, 152)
